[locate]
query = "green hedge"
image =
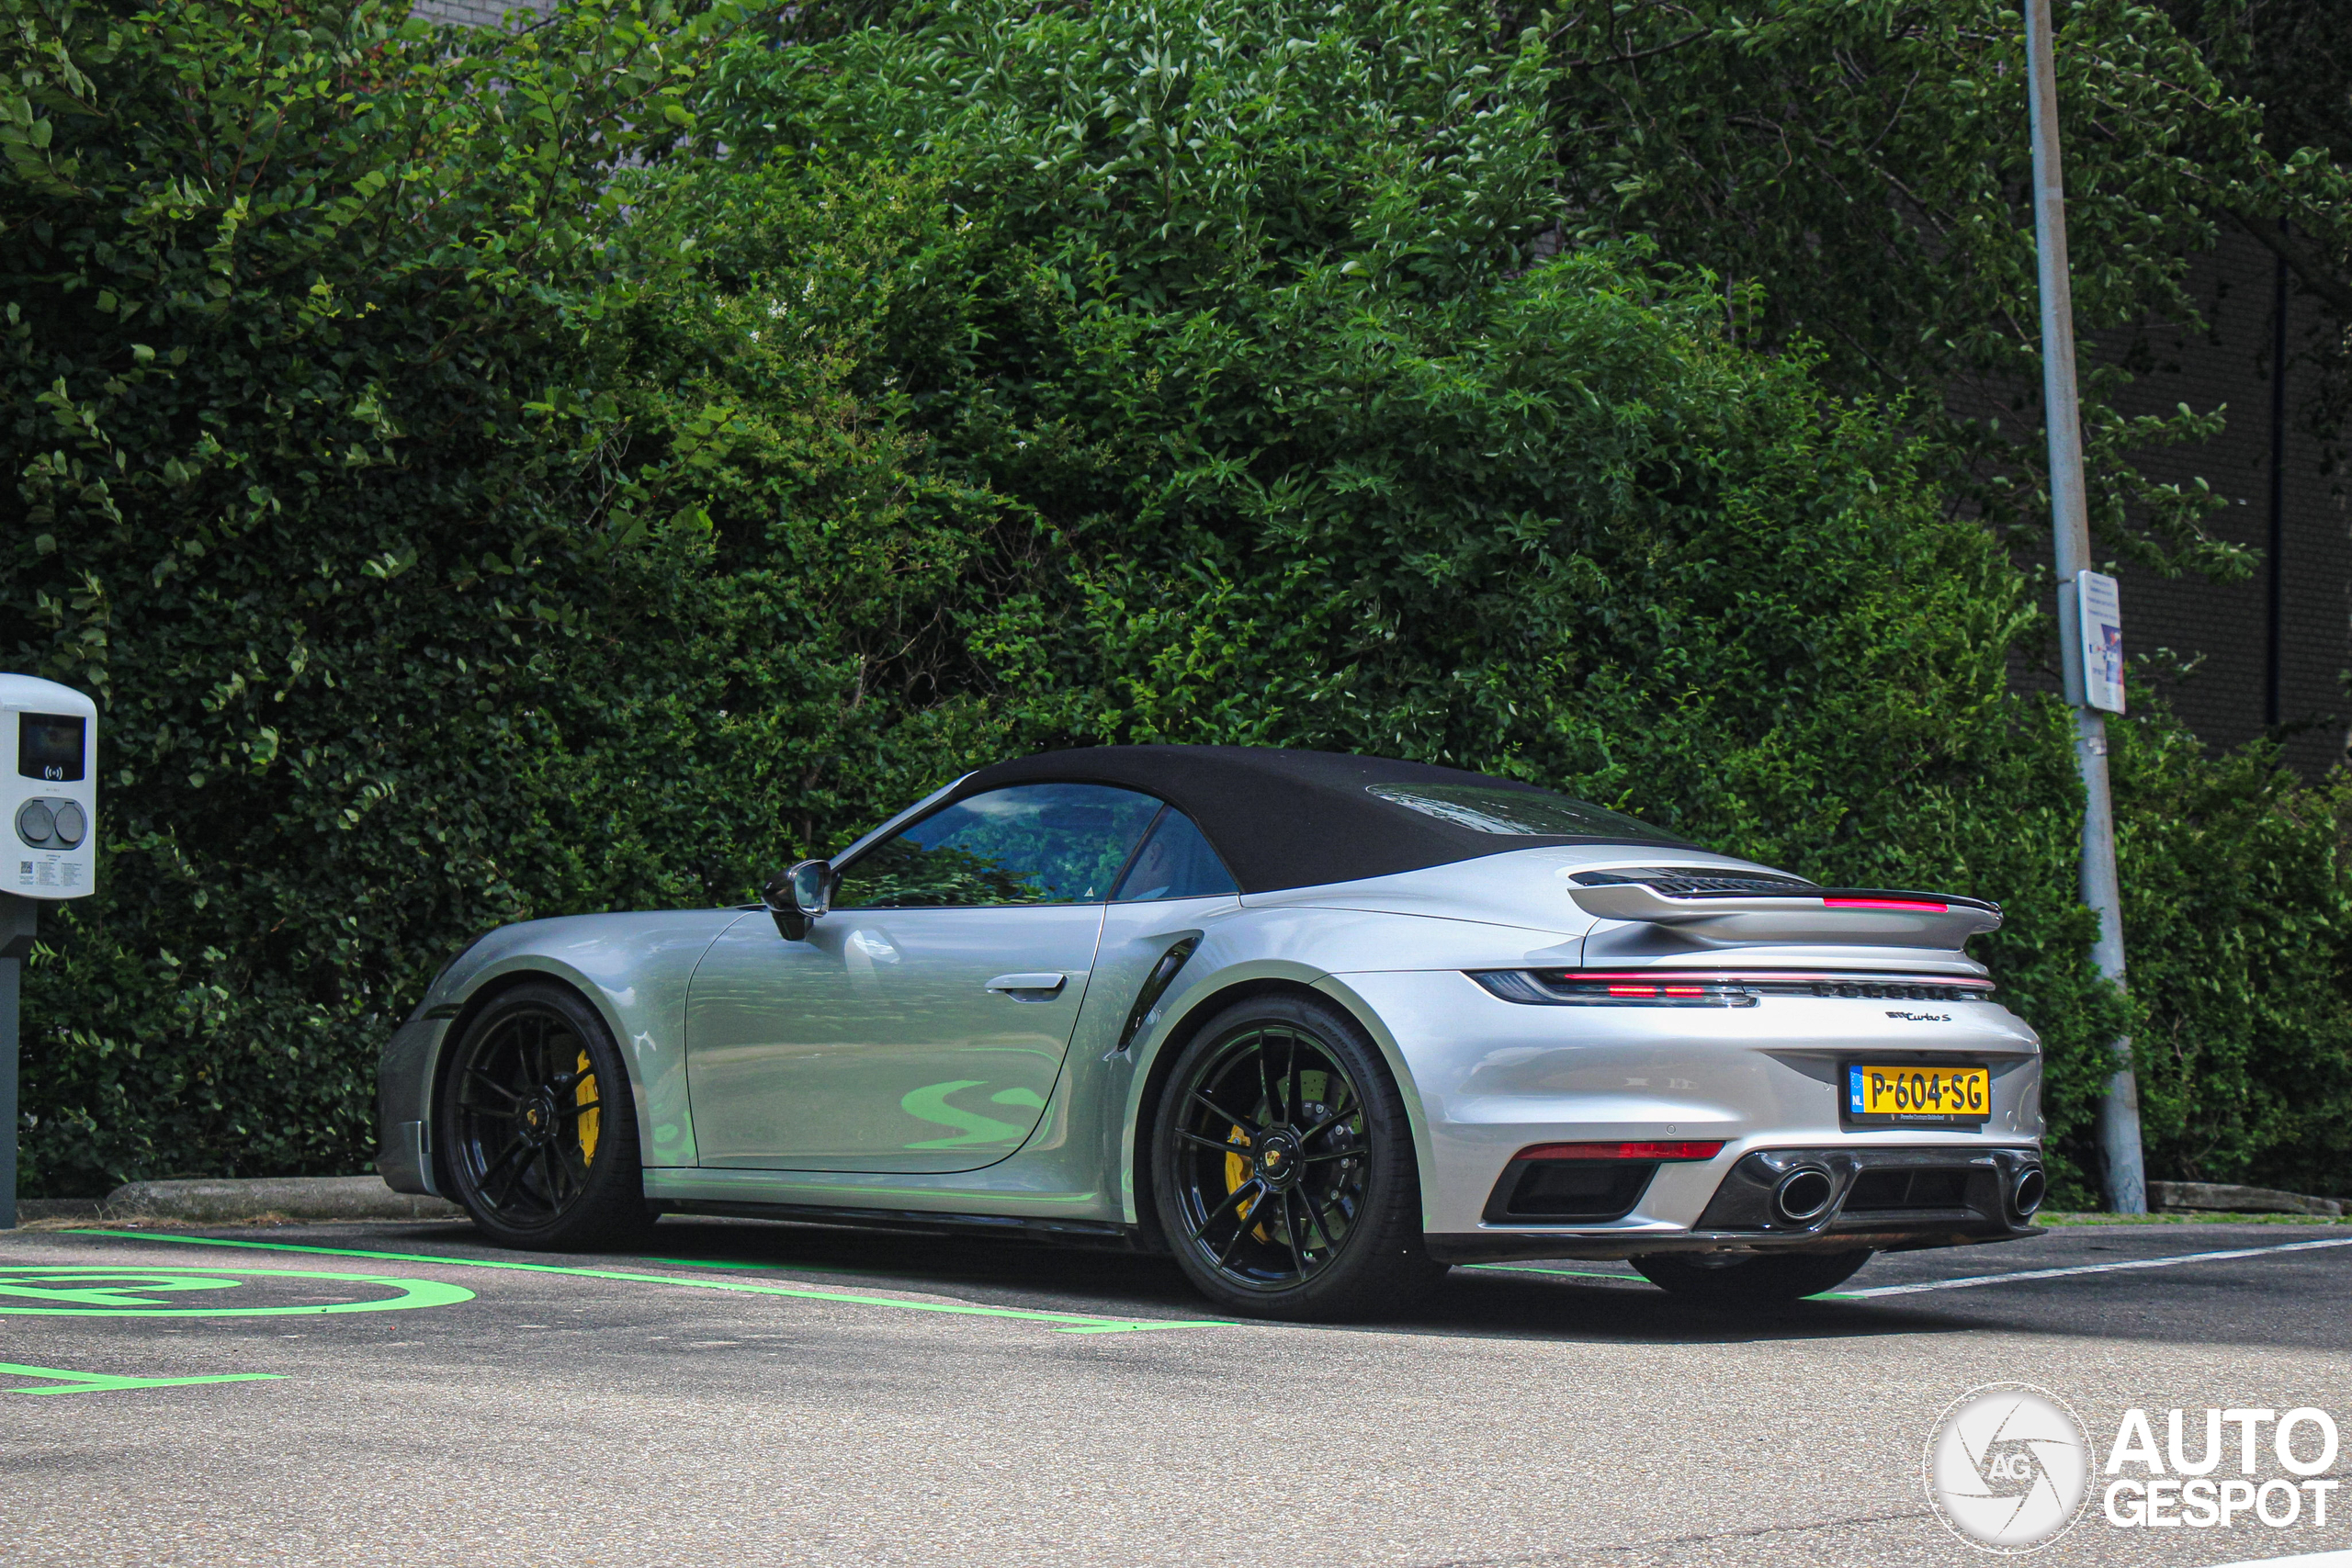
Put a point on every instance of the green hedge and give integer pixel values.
(493, 477)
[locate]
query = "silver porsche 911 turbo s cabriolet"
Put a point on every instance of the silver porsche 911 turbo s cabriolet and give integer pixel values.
(1317, 1025)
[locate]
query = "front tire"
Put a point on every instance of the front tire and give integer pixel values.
(1283, 1168)
(540, 1128)
(1770, 1278)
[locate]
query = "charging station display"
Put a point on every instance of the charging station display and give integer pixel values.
(47, 789)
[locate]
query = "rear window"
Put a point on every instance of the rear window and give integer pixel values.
(1527, 813)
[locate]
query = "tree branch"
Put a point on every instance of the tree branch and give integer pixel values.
(1653, 50)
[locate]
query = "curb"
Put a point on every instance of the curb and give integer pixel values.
(231, 1201)
(2190, 1197)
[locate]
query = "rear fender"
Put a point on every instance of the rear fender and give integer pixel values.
(1188, 1006)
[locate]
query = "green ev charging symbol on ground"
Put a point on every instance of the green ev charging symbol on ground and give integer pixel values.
(161, 1292)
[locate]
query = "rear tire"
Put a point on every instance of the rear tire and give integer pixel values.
(1283, 1168)
(1773, 1278)
(538, 1128)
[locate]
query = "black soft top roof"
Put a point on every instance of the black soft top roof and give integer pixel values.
(1283, 819)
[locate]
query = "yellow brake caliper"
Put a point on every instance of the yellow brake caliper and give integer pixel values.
(582, 1093)
(1236, 1171)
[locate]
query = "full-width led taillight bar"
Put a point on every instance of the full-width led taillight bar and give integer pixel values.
(1567, 987)
(1719, 988)
(1685, 1149)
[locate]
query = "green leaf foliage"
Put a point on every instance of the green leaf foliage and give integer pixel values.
(476, 492)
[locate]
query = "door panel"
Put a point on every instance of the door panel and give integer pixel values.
(876, 1044)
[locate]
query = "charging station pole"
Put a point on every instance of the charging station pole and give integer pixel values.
(49, 818)
(2119, 1112)
(20, 921)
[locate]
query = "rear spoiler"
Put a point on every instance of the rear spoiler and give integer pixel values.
(1736, 907)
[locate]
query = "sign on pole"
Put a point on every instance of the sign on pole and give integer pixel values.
(2100, 625)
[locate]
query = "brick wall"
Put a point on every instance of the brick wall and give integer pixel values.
(2219, 634)
(2228, 626)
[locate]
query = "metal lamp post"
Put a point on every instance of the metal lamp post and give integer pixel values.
(2087, 692)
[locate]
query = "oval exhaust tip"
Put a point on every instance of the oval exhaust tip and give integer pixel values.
(2032, 1187)
(1802, 1194)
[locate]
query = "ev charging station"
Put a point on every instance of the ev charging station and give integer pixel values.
(49, 801)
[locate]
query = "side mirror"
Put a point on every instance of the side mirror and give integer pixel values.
(798, 897)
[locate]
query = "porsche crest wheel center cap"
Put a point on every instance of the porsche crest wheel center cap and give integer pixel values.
(538, 1120)
(1277, 1162)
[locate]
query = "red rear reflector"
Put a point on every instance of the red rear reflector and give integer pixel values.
(1621, 1151)
(1885, 903)
(1635, 991)
(1686, 990)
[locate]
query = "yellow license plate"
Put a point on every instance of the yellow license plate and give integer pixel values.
(1919, 1094)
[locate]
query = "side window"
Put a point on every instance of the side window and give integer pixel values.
(1049, 843)
(1175, 863)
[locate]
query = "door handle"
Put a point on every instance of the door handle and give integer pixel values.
(1029, 987)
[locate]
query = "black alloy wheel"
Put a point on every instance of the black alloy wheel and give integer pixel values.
(537, 1128)
(1282, 1165)
(1731, 1279)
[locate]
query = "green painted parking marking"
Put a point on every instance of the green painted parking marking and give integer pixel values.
(66, 1291)
(99, 1382)
(731, 1263)
(1062, 1322)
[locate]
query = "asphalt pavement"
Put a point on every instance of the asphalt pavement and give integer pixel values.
(755, 1393)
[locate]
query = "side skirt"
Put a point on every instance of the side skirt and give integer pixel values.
(1094, 1235)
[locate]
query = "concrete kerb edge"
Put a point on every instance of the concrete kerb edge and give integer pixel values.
(257, 1201)
(2215, 1197)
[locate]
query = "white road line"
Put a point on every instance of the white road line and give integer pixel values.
(2310, 1560)
(2088, 1269)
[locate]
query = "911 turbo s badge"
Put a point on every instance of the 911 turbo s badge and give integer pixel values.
(1920, 1017)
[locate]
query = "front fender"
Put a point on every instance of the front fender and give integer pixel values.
(633, 969)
